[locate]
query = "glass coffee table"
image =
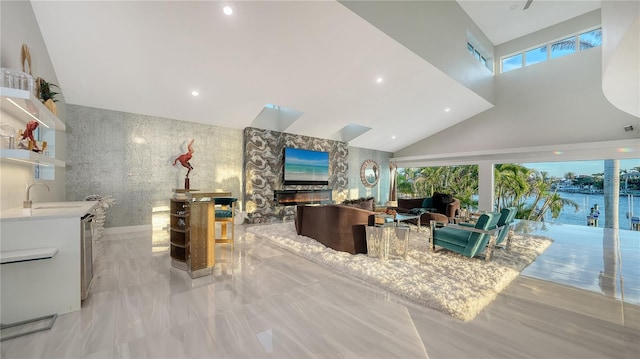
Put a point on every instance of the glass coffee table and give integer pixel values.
(407, 217)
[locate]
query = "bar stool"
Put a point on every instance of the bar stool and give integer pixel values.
(225, 208)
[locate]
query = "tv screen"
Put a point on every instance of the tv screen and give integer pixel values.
(305, 166)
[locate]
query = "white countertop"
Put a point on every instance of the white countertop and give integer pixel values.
(41, 210)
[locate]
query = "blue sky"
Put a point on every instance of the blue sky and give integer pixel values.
(558, 169)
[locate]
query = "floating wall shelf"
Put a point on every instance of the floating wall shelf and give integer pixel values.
(23, 106)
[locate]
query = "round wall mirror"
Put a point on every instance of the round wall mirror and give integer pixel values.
(370, 173)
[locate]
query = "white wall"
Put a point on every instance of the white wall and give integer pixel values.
(559, 101)
(621, 54)
(18, 26)
(435, 31)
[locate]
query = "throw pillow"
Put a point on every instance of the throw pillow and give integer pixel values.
(367, 204)
(447, 198)
(427, 203)
(436, 199)
(440, 201)
(364, 203)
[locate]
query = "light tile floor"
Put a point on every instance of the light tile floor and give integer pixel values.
(579, 299)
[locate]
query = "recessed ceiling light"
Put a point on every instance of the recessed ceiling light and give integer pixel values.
(195, 93)
(227, 10)
(447, 109)
(393, 137)
(379, 80)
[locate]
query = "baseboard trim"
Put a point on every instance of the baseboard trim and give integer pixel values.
(127, 229)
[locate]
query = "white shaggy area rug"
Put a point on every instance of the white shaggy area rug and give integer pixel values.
(445, 281)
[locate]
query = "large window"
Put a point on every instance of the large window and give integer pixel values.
(551, 50)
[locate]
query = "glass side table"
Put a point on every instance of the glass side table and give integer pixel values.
(387, 242)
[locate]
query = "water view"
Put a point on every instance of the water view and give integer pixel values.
(539, 190)
(586, 201)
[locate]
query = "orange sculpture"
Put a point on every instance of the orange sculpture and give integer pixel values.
(185, 158)
(28, 134)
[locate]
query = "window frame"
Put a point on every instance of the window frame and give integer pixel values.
(480, 57)
(508, 57)
(578, 43)
(523, 52)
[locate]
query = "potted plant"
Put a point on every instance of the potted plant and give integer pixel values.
(47, 96)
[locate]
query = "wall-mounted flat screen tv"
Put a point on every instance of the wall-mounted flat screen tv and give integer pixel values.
(306, 166)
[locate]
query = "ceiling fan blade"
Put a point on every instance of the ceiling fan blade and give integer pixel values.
(526, 6)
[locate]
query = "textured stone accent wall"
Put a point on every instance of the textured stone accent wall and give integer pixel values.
(264, 152)
(130, 157)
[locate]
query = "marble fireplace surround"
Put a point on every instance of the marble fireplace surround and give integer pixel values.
(263, 166)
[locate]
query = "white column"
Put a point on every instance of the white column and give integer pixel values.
(485, 186)
(611, 193)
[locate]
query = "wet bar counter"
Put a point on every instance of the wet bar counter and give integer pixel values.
(192, 226)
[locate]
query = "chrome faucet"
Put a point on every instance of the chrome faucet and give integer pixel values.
(27, 203)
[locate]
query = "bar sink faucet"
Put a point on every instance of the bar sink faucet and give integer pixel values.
(27, 203)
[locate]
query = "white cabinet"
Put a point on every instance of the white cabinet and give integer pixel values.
(20, 107)
(37, 288)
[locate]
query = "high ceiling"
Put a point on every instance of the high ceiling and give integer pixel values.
(315, 57)
(505, 20)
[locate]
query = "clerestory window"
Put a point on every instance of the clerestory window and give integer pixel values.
(568, 45)
(477, 53)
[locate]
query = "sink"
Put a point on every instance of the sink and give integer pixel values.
(57, 206)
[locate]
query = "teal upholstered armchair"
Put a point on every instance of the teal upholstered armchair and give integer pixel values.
(507, 215)
(466, 240)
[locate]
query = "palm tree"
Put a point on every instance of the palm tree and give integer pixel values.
(514, 184)
(465, 184)
(406, 178)
(429, 180)
(511, 184)
(517, 183)
(459, 181)
(586, 42)
(539, 188)
(556, 204)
